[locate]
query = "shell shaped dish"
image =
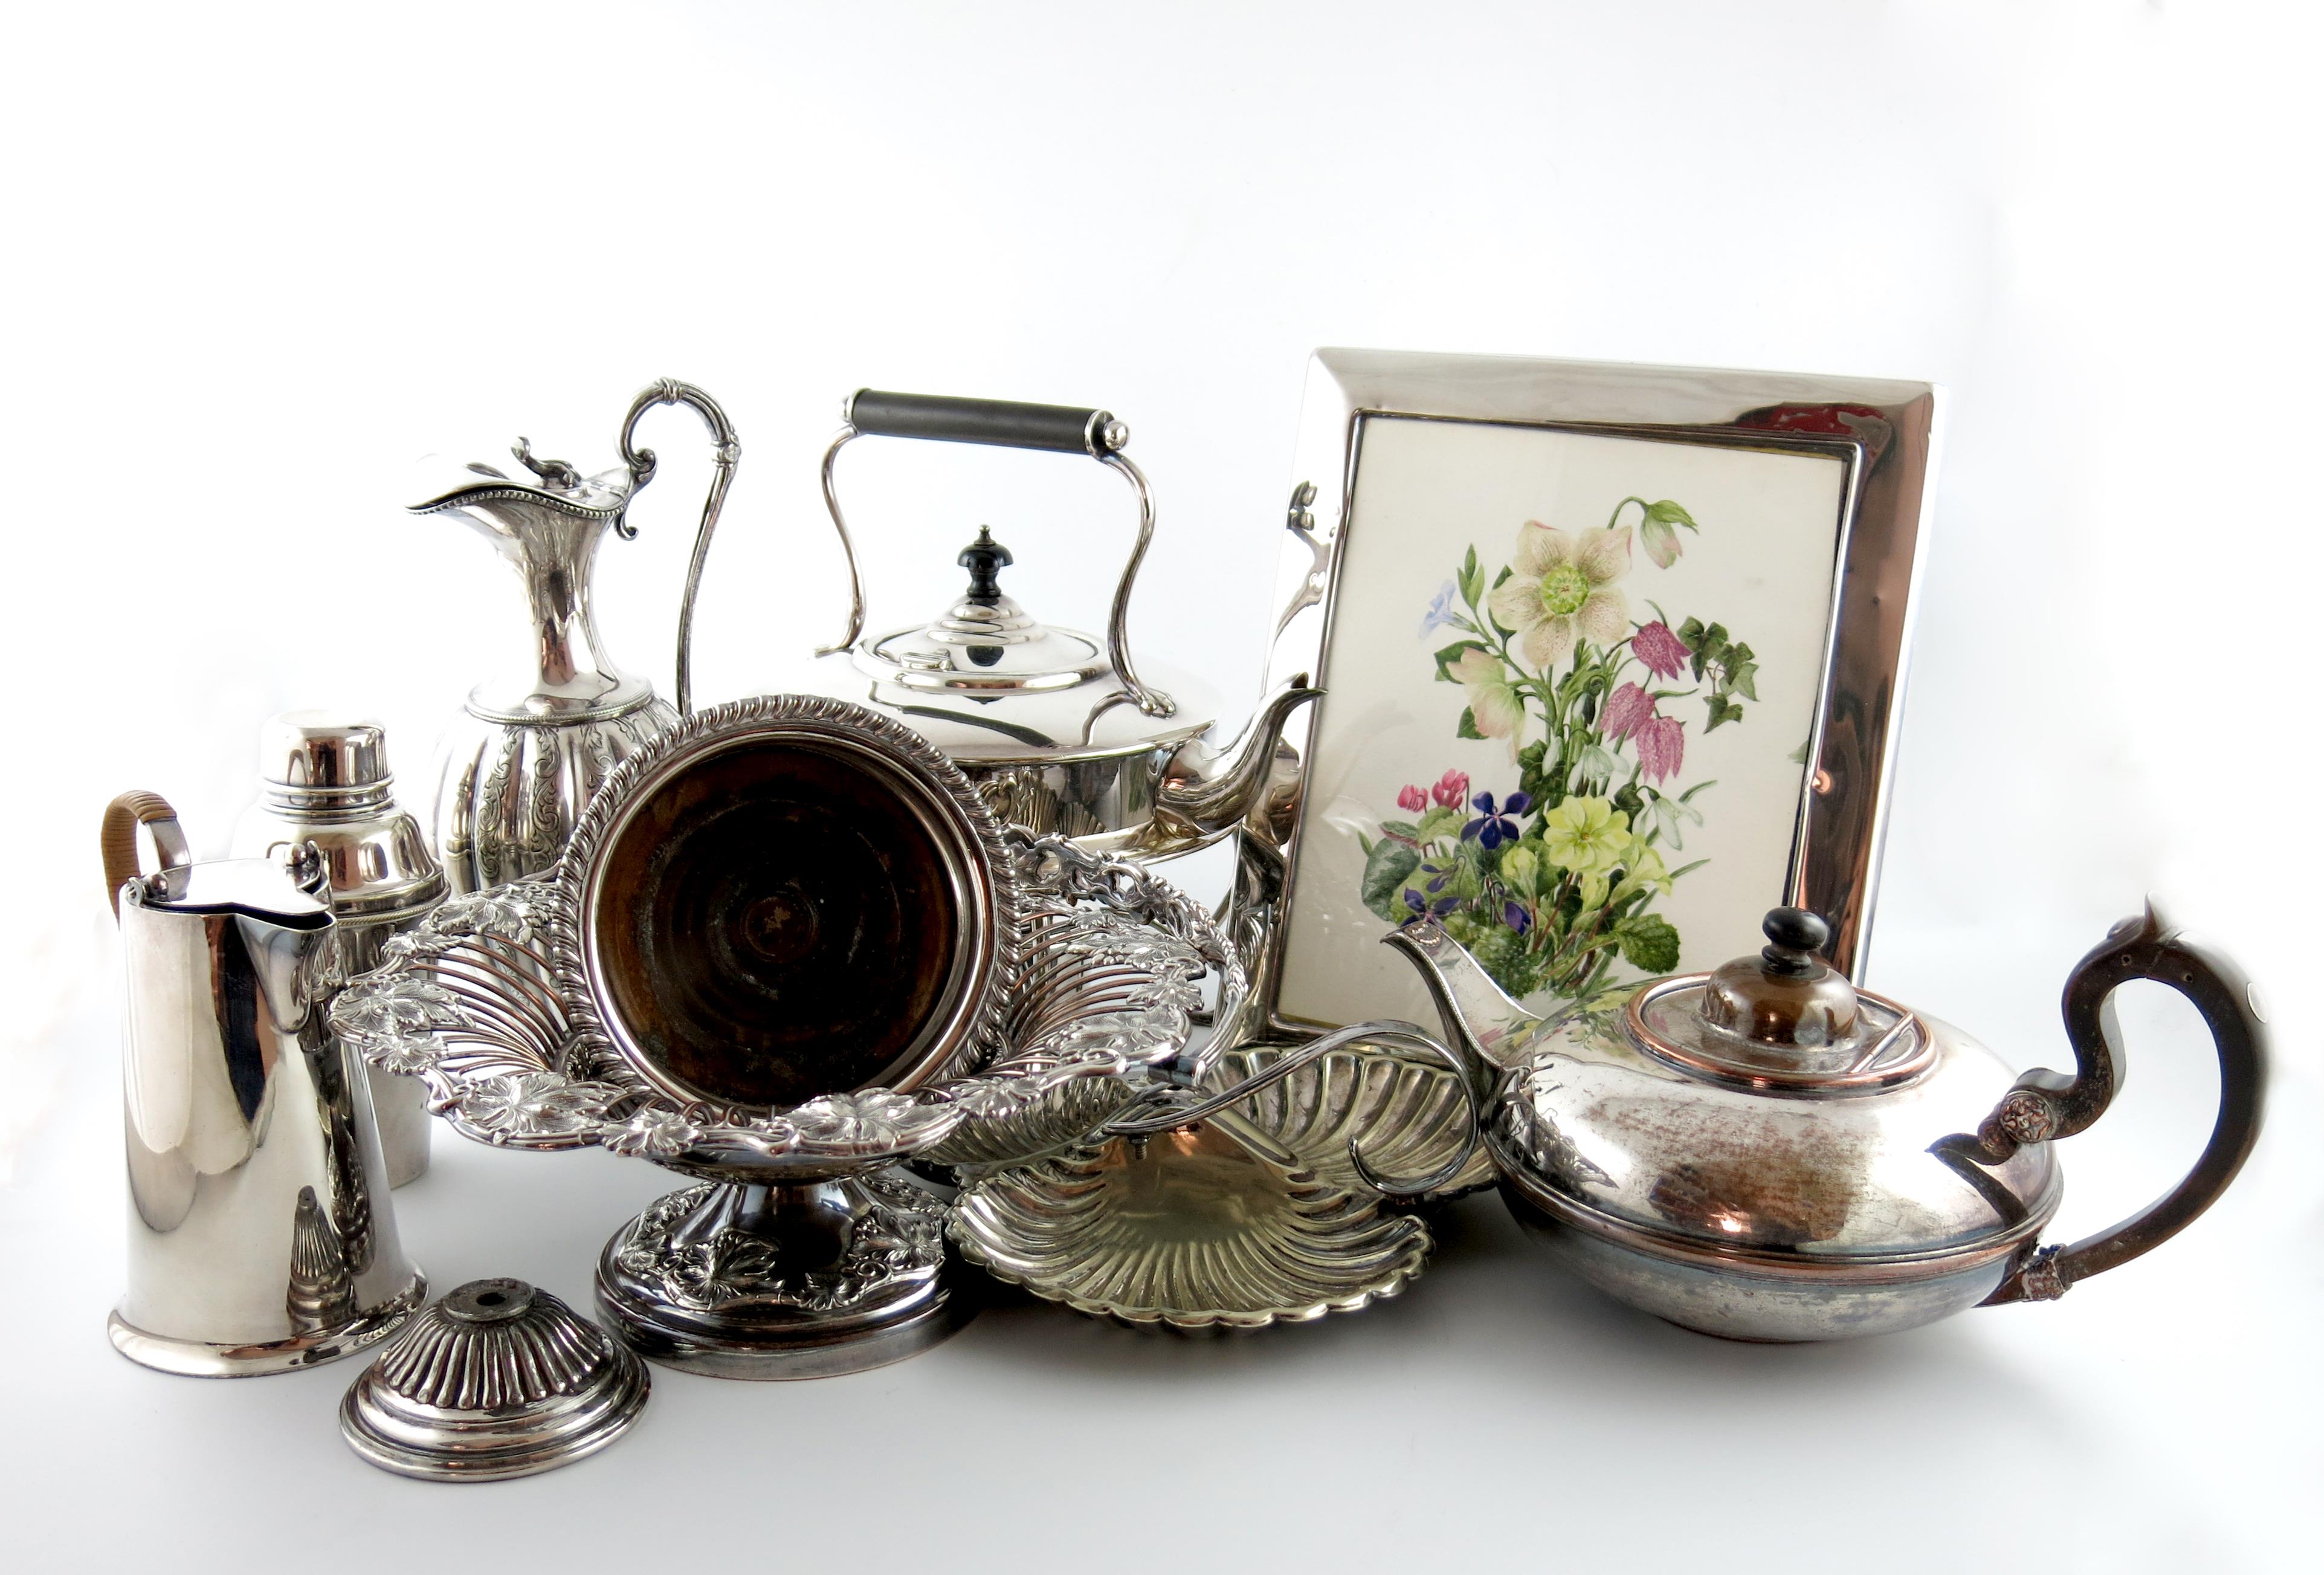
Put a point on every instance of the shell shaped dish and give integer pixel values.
(1205, 1229)
(1407, 1116)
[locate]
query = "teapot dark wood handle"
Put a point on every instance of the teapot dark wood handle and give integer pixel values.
(1057, 429)
(2046, 1105)
(117, 838)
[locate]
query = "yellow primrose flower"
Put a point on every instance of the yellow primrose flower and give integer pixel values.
(1645, 867)
(1585, 835)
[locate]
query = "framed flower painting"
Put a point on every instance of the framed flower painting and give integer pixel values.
(1612, 662)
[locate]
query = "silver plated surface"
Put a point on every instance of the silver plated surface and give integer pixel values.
(723, 1279)
(497, 1380)
(1203, 1228)
(261, 1235)
(324, 779)
(1408, 1117)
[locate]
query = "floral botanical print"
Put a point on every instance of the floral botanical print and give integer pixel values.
(1549, 875)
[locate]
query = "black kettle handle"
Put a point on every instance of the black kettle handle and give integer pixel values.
(2046, 1105)
(1002, 424)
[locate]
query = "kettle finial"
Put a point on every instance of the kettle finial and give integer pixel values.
(984, 559)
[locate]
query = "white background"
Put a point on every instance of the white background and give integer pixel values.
(255, 260)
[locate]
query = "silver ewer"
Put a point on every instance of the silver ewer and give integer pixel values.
(262, 1237)
(324, 779)
(519, 764)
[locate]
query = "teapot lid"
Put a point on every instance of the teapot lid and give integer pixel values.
(987, 680)
(1771, 1109)
(1784, 1018)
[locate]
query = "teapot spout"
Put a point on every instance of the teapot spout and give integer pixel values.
(1481, 1019)
(1212, 788)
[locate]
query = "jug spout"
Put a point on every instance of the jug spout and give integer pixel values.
(547, 527)
(1212, 788)
(1481, 1020)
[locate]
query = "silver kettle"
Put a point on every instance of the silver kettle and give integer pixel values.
(261, 1235)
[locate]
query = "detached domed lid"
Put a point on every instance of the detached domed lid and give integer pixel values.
(496, 1380)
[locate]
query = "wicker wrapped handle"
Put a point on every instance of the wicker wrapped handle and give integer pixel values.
(117, 838)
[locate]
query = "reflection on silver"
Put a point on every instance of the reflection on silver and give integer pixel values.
(324, 779)
(260, 1233)
(1210, 1227)
(497, 1380)
(800, 1259)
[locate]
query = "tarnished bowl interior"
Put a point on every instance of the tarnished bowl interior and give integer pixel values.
(783, 914)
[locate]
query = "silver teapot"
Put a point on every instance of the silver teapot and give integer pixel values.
(1057, 728)
(1767, 1153)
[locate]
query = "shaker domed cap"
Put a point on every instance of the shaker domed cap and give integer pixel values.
(495, 1379)
(323, 750)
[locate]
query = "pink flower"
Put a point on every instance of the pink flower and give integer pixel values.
(1452, 790)
(1412, 800)
(1661, 746)
(1628, 710)
(1663, 653)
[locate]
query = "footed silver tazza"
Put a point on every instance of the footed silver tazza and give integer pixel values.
(803, 1250)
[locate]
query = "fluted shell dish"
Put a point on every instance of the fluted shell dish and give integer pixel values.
(1409, 1116)
(1210, 1228)
(496, 1380)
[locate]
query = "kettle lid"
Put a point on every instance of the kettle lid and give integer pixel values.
(988, 681)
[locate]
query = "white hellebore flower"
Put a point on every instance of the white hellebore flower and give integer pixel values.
(1493, 703)
(1562, 589)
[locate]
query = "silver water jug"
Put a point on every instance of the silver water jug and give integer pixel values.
(261, 1235)
(324, 779)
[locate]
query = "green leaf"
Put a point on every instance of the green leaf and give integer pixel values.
(1401, 828)
(1472, 579)
(1722, 710)
(1740, 679)
(1468, 727)
(1667, 513)
(1799, 756)
(1386, 871)
(1649, 943)
(1438, 821)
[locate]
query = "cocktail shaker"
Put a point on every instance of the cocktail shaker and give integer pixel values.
(324, 779)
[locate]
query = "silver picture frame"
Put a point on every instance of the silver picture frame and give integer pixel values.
(1884, 432)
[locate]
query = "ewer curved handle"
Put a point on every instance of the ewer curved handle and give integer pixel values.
(642, 463)
(1390, 1033)
(2046, 1105)
(1055, 428)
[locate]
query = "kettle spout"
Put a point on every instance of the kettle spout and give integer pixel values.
(1479, 1017)
(1212, 788)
